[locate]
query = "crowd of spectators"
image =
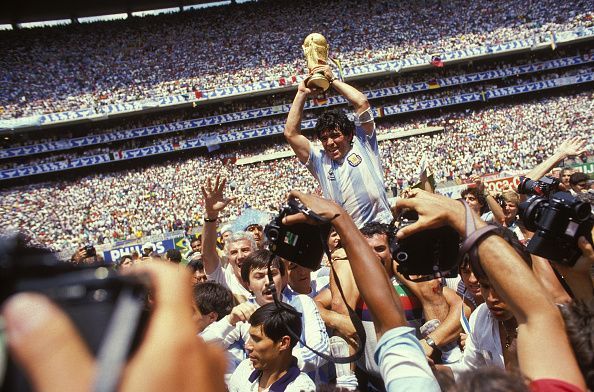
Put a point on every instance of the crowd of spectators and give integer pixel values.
(279, 119)
(104, 207)
(89, 65)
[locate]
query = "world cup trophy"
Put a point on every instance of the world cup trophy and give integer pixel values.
(315, 48)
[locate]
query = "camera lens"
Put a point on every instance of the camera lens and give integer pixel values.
(273, 235)
(525, 186)
(401, 256)
(582, 211)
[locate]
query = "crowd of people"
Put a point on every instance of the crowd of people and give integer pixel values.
(103, 208)
(347, 291)
(71, 67)
(207, 132)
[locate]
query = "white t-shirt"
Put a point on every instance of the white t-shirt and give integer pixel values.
(227, 278)
(483, 344)
(246, 379)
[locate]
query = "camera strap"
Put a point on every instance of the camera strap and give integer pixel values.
(118, 340)
(357, 323)
(473, 238)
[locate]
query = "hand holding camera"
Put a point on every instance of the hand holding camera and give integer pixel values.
(169, 356)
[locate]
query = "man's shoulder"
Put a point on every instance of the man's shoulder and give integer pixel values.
(302, 383)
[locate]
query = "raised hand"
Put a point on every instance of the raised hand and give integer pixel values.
(573, 146)
(214, 198)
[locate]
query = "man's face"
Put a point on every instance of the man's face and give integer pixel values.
(262, 351)
(237, 253)
(335, 143)
(564, 177)
(199, 276)
(299, 278)
(379, 244)
(126, 263)
(258, 285)
(580, 187)
(196, 246)
(471, 283)
(510, 211)
(496, 306)
(258, 233)
(472, 202)
(333, 240)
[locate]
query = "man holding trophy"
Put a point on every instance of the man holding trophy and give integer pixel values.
(347, 167)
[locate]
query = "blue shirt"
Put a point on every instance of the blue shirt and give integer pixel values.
(402, 362)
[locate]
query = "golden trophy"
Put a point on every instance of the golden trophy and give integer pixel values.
(315, 48)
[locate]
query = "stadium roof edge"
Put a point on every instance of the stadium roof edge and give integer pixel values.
(22, 11)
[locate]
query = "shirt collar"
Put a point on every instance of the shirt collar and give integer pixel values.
(282, 383)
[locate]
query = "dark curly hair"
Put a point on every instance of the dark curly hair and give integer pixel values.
(334, 119)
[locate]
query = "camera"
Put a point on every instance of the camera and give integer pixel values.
(542, 187)
(427, 254)
(90, 251)
(109, 310)
(558, 222)
(302, 244)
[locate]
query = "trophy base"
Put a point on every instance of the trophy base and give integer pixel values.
(318, 81)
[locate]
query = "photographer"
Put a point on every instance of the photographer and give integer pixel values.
(538, 319)
(347, 167)
(43, 340)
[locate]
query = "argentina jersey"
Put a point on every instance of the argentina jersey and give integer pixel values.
(355, 182)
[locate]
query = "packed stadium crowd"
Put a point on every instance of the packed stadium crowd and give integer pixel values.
(72, 67)
(103, 208)
(499, 297)
(222, 129)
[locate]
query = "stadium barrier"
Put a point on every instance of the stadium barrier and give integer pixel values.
(91, 140)
(279, 128)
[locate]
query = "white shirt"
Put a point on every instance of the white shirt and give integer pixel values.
(228, 279)
(313, 332)
(355, 182)
(483, 344)
(246, 379)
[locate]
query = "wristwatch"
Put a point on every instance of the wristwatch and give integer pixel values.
(431, 343)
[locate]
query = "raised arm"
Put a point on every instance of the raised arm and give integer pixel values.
(351, 94)
(370, 276)
(214, 203)
(299, 143)
(571, 147)
(538, 319)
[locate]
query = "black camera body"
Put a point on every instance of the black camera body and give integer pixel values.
(302, 244)
(427, 254)
(89, 295)
(558, 222)
(543, 187)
